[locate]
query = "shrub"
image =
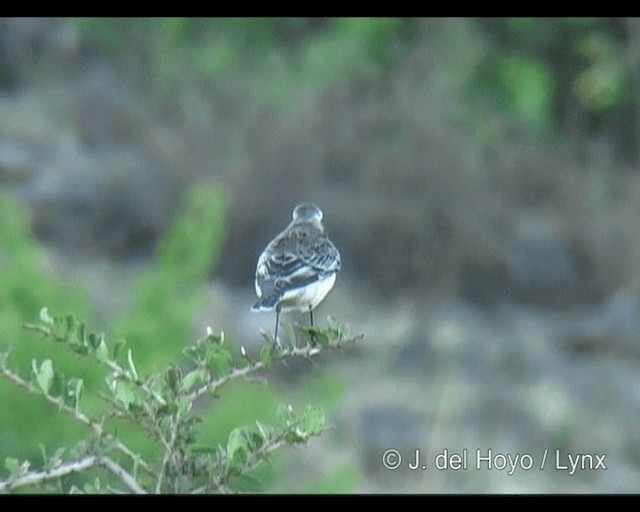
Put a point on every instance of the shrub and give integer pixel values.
(161, 406)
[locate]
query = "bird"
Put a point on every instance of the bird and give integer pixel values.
(298, 268)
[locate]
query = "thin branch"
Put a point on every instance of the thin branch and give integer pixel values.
(79, 416)
(35, 477)
(167, 438)
(118, 370)
(253, 366)
(273, 444)
(122, 474)
(167, 453)
(261, 453)
(253, 459)
(143, 421)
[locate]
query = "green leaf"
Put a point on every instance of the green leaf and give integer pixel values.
(82, 332)
(237, 446)
(220, 361)
(192, 378)
(336, 330)
(102, 352)
(267, 353)
(173, 377)
(132, 367)
(215, 338)
(184, 406)
(320, 336)
(44, 375)
(285, 415)
(263, 429)
(125, 393)
(15, 468)
(45, 317)
(12, 465)
(290, 334)
(71, 323)
(256, 439)
(313, 420)
(80, 349)
(95, 340)
(54, 461)
(119, 345)
(73, 392)
(296, 435)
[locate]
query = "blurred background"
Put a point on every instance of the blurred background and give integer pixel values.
(481, 178)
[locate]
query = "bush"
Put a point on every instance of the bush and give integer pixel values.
(161, 406)
(149, 430)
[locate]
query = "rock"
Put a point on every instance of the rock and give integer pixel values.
(415, 355)
(104, 112)
(102, 201)
(29, 45)
(484, 279)
(609, 327)
(545, 271)
(17, 163)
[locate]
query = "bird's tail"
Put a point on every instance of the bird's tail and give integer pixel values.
(264, 304)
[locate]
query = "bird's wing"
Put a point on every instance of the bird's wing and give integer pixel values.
(290, 263)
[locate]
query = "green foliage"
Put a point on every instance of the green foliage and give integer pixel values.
(537, 66)
(528, 89)
(25, 284)
(268, 58)
(194, 244)
(168, 292)
(380, 38)
(22, 263)
(522, 85)
(542, 75)
(155, 323)
(605, 81)
(160, 404)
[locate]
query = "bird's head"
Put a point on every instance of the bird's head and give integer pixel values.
(308, 212)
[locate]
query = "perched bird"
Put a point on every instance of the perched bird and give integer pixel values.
(298, 268)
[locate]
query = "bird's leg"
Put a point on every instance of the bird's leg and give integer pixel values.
(313, 338)
(277, 322)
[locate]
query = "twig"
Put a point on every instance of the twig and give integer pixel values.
(79, 416)
(34, 477)
(118, 370)
(167, 453)
(122, 474)
(143, 421)
(304, 352)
